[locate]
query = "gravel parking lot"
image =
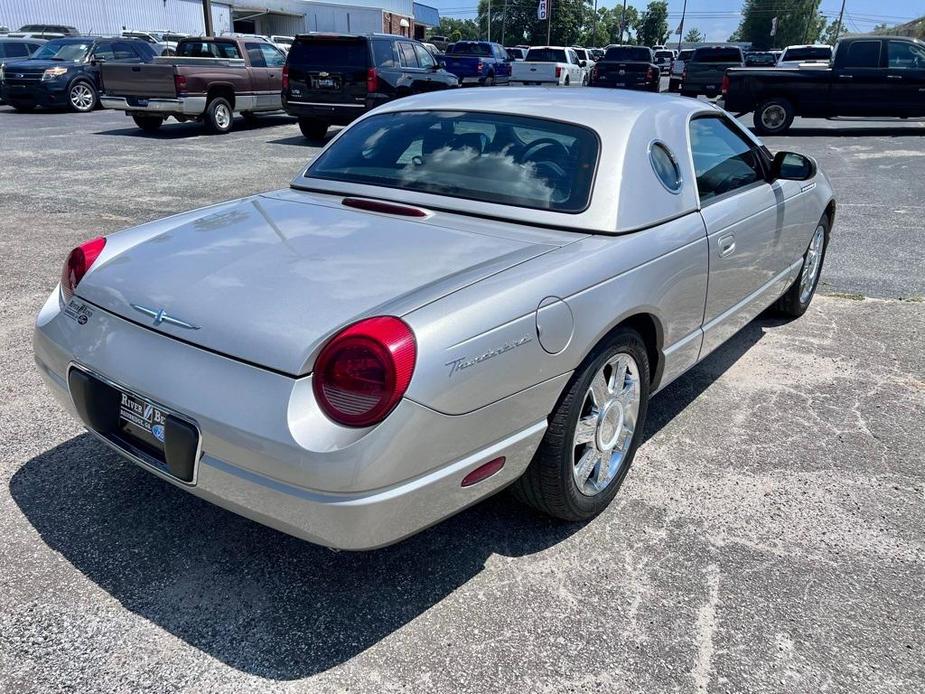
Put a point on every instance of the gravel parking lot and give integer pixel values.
(770, 537)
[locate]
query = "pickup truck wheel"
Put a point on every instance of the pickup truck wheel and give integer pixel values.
(149, 124)
(593, 433)
(219, 116)
(773, 116)
(567, 81)
(489, 81)
(795, 300)
(81, 97)
(313, 129)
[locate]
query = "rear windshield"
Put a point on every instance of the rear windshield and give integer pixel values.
(194, 48)
(329, 53)
(684, 55)
(508, 160)
(467, 48)
(629, 53)
(811, 53)
(664, 54)
(717, 55)
(63, 50)
(546, 55)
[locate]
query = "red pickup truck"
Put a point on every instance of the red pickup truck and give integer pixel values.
(209, 80)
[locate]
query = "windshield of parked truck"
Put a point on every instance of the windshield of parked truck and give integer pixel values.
(546, 55)
(629, 54)
(488, 157)
(717, 55)
(63, 50)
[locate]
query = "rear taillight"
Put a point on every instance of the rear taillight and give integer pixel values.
(558, 72)
(651, 72)
(594, 73)
(179, 82)
(725, 84)
(372, 80)
(285, 80)
(364, 370)
(78, 262)
(684, 75)
(479, 66)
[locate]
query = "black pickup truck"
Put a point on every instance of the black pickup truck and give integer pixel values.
(870, 77)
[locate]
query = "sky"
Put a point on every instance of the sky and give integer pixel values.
(717, 19)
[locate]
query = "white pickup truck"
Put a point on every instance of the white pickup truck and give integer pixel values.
(550, 65)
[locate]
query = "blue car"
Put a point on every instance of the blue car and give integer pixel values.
(65, 72)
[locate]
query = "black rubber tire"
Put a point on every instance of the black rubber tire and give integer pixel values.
(22, 108)
(489, 81)
(92, 88)
(567, 81)
(150, 124)
(548, 485)
(789, 304)
(313, 129)
(210, 121)
(762, 129)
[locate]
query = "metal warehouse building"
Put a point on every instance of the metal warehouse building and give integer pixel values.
(285, 17)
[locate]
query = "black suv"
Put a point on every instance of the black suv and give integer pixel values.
(66, 72)
(332, 79)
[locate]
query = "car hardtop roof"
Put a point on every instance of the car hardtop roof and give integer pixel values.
(558, 48)
(21, 39)
(808, 45)
(340, 35)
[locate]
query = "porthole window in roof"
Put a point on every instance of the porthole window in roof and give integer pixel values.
(665, 166)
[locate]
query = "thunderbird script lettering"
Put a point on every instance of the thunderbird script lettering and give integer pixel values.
(466, 362)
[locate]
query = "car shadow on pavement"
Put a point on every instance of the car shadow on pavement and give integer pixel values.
(256, 599)
(173, 130)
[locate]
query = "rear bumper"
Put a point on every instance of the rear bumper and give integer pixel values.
(275, 459)
(187, 106)
(636, 86)
(332, 113)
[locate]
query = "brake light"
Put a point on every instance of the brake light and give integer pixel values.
(364, 370)
(372, 80)
(558, 72)
(78, 263)
(179, 82)
(725, 84)
(594, 73)
(285, 77)
(479, 66)
(650, 73)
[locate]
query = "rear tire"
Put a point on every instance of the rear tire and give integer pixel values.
(567, 81)
(774, 117)
(798, 297)
(150, 124)
(551, 482)
(313, 129)
(219, 116)
(489, 81)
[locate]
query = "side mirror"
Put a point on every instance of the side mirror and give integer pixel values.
(583, 63)
(97, 61)
(441, 64)
(790, 166)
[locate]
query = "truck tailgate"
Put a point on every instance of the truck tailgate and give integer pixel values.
(534, 72)
(462, 65)
(621, 74)
(149, 80)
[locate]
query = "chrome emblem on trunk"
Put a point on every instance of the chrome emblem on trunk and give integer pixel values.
(161, 316)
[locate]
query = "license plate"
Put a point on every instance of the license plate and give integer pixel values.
(711, 86)
(141, 102)
(143, 414)
(621, 84)
(325, 84)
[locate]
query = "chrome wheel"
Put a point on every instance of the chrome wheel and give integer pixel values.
(604, 433)
(222, 116)
(82, 97)
(811, 264)
(773, 116)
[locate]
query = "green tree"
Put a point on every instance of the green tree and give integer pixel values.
(829, 36)
(798, 21)
(652, 27)
(457, 29)
(693, 35)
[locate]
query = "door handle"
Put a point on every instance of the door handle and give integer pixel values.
(727, 245)
(846, 77)
(894, 77)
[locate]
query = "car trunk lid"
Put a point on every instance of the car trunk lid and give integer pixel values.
(266, 279)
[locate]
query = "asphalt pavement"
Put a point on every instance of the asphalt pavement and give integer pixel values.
(769, 538)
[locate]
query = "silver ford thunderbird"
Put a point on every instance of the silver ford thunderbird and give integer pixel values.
(462, 292)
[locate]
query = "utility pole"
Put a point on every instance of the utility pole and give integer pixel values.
(548, 20)
(623, 22)
(504, 25)
(489, 21)
(838, 24)
(681, 28)
(207, 16)
(594, 23)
